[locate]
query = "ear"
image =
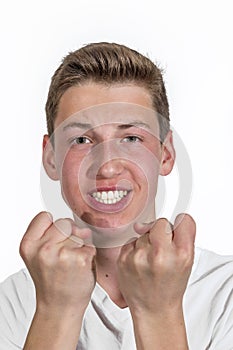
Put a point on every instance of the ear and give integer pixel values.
(49, 158)
(168, 155)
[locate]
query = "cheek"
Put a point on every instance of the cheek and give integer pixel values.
(69, 170)
(148, 168)
(69, 183)
(147, 161)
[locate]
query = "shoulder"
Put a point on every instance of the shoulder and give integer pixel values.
(212, 274)
(208, 301)
(18, 284)
(208, 262)
(22, 276)
(17, 306)
(16, 290)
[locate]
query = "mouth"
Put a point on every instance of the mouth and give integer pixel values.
(110, 199)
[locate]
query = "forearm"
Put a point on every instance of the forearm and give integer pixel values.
(54, 330)
(162, 331)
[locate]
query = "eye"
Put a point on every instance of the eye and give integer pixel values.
(132, 139)
(81, 140)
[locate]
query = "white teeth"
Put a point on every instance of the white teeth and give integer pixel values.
(104, 195)
(109, 197)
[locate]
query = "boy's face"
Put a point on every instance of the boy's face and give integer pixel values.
(107, 154)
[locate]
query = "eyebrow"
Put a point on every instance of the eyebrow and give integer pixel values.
(87, 126)
(84, 126)
(136, 124)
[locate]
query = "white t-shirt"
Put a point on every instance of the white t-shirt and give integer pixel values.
(208, 310)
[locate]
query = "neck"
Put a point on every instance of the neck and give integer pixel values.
(106, 265)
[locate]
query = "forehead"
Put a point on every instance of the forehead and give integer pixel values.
(97, 104)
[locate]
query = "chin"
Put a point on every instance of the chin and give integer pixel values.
(106, 223)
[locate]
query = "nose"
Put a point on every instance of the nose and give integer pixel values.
(107, 161)
(110, 169)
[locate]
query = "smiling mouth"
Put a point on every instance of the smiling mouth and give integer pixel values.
(109, 197)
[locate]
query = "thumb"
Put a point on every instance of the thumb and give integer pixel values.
(82, 236)
(142, 228)
(66, 229)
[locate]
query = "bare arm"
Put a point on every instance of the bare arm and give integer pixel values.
(63, 272)
(161, 331)
(153, 273)
(54, 330)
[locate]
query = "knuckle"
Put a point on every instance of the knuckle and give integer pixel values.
(85, 256)
(160, 261)
(82, 257)
(44, 253)
(162, 221)
(82, 261)
(185, 258)
(64, 254)
(43, 214)
(164, 225)
(188, 217)
(140, 261)
(186, 220)
(41, 217)
(158, 251)
(139, 256)
(24, 247)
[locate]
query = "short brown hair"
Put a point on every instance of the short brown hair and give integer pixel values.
(108, 64)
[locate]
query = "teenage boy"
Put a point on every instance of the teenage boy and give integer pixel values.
(115, 276)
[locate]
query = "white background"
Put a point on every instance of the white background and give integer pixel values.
(191, 40)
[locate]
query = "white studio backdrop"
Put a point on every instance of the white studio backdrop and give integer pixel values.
(191, 40)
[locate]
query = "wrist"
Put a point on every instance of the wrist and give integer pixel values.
(160, 329)
(168, 310)
(52, 330)
(60, 313)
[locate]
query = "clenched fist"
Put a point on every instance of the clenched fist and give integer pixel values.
(61, 266)
(153, 271)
